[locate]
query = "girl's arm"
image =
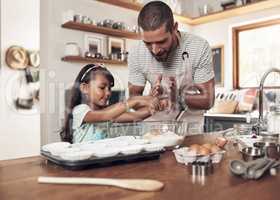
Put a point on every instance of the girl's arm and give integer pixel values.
(138, 115)
(114, 111)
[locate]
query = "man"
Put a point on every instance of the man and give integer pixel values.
(161, 52)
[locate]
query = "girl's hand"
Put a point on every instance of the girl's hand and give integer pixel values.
(154, 105)
(164, 104)
(141, 101)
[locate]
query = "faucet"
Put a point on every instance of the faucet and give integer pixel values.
(260, 124)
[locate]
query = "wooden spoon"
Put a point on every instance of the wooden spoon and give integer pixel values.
(132, 184)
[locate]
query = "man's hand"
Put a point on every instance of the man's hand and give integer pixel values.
(157, 89)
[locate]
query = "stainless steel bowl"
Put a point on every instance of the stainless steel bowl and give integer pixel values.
(252, 153)
(271, 149)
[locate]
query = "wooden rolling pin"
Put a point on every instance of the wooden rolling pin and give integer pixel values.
(132, 184)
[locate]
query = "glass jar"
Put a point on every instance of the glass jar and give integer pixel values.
(273, 120)
(72, 49)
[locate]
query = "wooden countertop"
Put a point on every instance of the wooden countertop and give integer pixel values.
(18, 180)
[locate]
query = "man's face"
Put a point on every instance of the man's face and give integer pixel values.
(160, 42)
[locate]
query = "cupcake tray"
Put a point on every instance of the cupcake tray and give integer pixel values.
(94, 162)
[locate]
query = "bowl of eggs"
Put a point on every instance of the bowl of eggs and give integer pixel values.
(202, 153)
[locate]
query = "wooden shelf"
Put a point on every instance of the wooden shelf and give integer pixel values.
(102, 30)
(124, 4)
(79, 59)
(138, 7)
(237, 11)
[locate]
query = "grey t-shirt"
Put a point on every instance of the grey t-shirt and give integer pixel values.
(85, 132)
(144, 67)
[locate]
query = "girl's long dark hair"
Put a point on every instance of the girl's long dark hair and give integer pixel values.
(86, 74)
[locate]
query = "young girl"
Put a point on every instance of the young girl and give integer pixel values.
(89, 104)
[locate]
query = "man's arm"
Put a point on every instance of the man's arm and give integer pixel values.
(204, 75)
(135, 90)
(206, 97)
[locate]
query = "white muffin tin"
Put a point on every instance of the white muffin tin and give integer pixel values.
(123, 145)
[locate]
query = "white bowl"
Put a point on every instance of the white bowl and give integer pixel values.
(166, 141)
(217, 157)
(184, 155)
(205, 158)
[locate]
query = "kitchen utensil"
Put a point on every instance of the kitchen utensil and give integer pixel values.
(132, 184)
(238, 167)
(251, 170)
(271, 149)
(260, 172)
(252, 153)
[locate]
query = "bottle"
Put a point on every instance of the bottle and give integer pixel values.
(273, 119)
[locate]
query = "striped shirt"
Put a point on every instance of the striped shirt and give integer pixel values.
(144, 67)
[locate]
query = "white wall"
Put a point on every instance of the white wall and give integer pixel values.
(53, 40)
(19, 131)
(220, 33)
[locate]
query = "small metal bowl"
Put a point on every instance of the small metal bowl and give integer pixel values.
(252, 153)
(271, 149)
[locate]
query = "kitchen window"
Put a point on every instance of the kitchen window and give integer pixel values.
(256, 48)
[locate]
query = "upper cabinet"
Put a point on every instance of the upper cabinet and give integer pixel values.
(233, 11)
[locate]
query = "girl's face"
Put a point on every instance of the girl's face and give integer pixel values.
(99, 91)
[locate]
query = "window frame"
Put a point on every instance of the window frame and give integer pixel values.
(235, 42)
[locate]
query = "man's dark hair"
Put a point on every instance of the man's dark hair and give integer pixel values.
(154, 14)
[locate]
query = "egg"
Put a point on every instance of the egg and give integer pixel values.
(215, 149)
(204, 151)
(221, 141)
(195, 148)
(207, 145)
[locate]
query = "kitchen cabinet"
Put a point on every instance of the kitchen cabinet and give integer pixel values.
(19, 180)
(221, 15)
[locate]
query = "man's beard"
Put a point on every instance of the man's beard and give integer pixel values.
(163, 57)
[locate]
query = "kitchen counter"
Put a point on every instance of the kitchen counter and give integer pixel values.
(218, 122)
(18, 180)
(253, 115)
